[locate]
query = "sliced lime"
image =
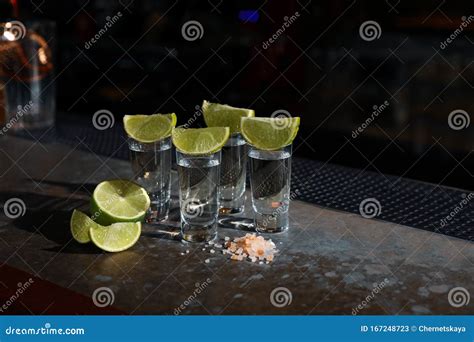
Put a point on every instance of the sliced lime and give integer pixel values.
(116, 237)
(119, 200)
(149, 128)
(200, 141)
(270, 133)
(80, 224)
(221, 115)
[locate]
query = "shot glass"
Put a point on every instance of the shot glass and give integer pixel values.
(151, 166)
(198, 195)
(270, 174)
(233, 175)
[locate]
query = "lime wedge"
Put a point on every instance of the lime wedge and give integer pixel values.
(80, 225)
(270, 133)
(219, 115)
(117, 237)
(200, 141)
(149, 128)
(119, 200)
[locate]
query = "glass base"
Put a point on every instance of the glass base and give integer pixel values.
(192, 233)
(271, 223)
(224, 210)
(157, 213)
(232, 207)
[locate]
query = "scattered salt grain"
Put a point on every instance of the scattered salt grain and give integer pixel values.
(203, 249)
(187, 251)
(181, 253)
(252, 247)
(207, 261)
(227, 238)
(212, 251)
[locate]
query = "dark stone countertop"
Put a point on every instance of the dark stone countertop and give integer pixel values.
(329, 261)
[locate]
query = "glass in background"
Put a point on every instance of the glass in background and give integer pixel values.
(26, 74)
(233, 175)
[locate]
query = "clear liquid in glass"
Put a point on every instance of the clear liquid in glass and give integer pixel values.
(270, 174)
(151, 167)
(198, 196)
(233, 176)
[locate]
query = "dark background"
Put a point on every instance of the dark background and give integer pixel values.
(319, 69)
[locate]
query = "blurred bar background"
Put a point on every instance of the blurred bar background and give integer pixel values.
(319, 69)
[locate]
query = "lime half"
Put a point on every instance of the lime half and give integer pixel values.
(80, 225)
(117, 237)
(119, 200)
(221, 115)
(200, 141)
(149, 128)
(270, 133)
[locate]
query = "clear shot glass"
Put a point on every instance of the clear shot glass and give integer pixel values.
(198, 195)
(151, 166)
(233, 175)
(270, 175)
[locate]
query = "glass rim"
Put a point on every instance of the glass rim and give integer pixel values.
(279, 149)
(196, 155)
(148, 143)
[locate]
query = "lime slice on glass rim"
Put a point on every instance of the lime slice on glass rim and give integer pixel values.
(200, 141)
(119, 200)
(80, 224)
(270, 133)
(149, 128)
(117, 237)
(221, 115)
